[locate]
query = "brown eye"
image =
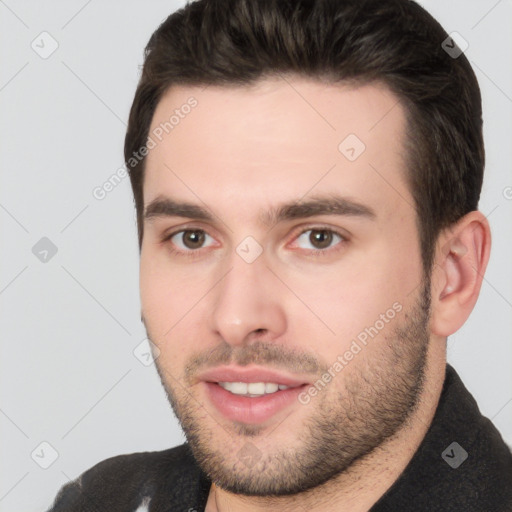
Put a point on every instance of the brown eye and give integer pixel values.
(193, 239)
(188, 240)
(320, 238)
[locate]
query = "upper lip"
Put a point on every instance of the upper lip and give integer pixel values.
(252, 374)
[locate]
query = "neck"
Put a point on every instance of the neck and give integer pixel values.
(361, 486)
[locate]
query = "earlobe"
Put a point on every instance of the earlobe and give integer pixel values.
(460, 263)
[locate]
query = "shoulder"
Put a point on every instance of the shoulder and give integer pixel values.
(124, 482)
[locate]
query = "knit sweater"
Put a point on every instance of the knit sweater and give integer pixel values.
(461, 465)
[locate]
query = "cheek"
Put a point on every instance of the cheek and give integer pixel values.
(163, 295)
(152, 287)
(343, 306)
(171, 297)
(352, 297)
(163, 310)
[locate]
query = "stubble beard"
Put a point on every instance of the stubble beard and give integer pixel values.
(380, 395)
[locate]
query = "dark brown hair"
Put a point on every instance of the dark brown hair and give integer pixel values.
(395, 42)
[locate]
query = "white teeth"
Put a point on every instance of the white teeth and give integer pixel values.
(239, 388)
(256, 388)
(270, 387)
(252, 389)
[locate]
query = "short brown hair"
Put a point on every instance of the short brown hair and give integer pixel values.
(395, 42)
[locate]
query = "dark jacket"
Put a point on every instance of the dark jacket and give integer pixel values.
(462, 465)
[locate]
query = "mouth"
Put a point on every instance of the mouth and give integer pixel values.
(251, 396)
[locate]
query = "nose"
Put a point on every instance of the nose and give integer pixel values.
(247, 304)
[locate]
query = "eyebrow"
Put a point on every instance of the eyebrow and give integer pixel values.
(317, 205)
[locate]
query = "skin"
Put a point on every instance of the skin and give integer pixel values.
(299, 305)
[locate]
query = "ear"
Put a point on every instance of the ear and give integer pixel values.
(462, 253)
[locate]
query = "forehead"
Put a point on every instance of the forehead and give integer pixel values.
(277, 139)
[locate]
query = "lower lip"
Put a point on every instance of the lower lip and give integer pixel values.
(245, 409)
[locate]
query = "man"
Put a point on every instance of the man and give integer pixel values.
(306, 177)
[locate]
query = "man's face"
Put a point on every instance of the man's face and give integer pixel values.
(256, 280)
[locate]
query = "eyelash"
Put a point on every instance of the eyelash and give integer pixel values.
(319, 253)
(195, 253)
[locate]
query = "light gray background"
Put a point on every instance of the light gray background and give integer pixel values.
(69, 326)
